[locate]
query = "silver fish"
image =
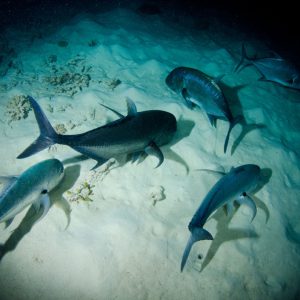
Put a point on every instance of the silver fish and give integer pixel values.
(275, 69)
(204, 91)
(233, 186)
(132, 134)
(31, 187)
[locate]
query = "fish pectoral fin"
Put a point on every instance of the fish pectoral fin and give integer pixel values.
(44, 205)
(37, 205)
(230, 208)
(197, 234)
(8, 222)
(214, 172)
(212, 119)
(153, 149)
(187, 98)
(131, 107)
(248, 201)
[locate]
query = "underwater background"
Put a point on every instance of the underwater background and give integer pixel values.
(119, 231)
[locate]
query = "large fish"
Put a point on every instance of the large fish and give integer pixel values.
(135, 133)
(31, 187)
(202, 90)
(274, 69)
(233, 186)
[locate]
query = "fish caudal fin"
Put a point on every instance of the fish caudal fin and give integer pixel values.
(47, 137)
(245, 60)
(197, 234)
(235, 121)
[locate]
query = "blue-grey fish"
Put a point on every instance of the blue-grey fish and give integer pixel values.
(135, 133)
(275, 69)
(235, 185)
(31, 187)
(204, 91)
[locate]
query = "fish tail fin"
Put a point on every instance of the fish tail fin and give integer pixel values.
(47, 137)
(245, 60)
(235, 121)
(197, 234)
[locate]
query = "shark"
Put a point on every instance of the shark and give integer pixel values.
(32, 187)
(202, 90)
(135, 134)
(233, 186)
(275, 69)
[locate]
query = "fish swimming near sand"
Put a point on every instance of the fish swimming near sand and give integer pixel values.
(138, 132)
(203, 91)
(234, 186)
(275, 69)
(30, 188)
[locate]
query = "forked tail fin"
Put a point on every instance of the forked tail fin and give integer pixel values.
(197, 234)
(47, 136)
(235, 121)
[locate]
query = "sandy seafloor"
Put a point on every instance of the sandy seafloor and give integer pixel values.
(123, 244)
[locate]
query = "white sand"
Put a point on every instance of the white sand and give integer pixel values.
(120, 245)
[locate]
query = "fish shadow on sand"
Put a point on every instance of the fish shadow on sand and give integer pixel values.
(225, 234)
(184, 129)
(56, 197)
(231, 94)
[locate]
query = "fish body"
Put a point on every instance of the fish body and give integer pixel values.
(233, 186)
(275, 69)
(203, 91)
(31, 187)
(137, 132)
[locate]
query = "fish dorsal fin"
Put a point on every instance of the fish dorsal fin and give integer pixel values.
(131, 107)
(275, 54)
(6, 182)
(113, 110)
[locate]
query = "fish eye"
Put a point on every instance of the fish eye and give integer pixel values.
(244, 194)
(44, 192)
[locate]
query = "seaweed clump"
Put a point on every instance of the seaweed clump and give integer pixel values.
(18, 108)
(83, 193)
(71, 78)
(60, 128)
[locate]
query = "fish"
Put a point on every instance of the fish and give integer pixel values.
(275, 69)
(202, 90)
(32, 187)
(233, 186)
(135, 133)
